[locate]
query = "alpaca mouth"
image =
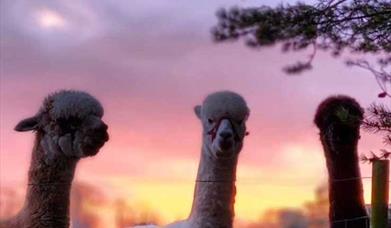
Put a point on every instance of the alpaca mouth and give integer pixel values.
(93, 149)
(225, 149)
(226, 145)
(94, 143)
(224, 154)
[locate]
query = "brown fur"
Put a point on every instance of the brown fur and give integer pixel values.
(338, 119)
(60, 141)
(47, 198)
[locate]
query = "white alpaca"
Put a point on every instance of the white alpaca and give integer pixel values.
(68, 127)
(223, 116)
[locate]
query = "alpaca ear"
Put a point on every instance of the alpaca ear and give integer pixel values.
(197, 111)
(28, 124)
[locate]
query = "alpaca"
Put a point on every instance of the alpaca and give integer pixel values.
(67, 128)
(223, 116)
(338, 119)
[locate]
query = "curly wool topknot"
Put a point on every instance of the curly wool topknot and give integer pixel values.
(225, 103)
(71, 103)
(328, 110)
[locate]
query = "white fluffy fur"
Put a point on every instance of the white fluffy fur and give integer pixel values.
(224, 103)
(213, 202)
(68, 103)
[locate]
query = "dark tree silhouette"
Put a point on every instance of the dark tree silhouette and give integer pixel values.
(362, 26)
(358, 26)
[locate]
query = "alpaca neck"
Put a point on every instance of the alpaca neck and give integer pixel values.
(48, 191)
(345, 185)
(214, 195)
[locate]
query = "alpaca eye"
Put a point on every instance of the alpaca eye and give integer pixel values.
(210, 121)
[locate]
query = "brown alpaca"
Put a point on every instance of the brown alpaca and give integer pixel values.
(68, 127)
(338, 119)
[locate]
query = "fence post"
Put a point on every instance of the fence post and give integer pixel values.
(380, 191)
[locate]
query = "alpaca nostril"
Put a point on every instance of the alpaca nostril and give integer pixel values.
(226, 135)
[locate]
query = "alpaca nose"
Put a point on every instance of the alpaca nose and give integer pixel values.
(226, 135)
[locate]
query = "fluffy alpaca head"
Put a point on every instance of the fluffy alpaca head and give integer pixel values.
(71, 124)
(341, 115)
(223, 116)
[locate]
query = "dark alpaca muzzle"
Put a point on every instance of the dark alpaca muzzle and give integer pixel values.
(226, 135)
(95, 139)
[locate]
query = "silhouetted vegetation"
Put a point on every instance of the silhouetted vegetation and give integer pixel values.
(335, 26)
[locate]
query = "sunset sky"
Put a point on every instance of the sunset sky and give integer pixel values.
(149, 63)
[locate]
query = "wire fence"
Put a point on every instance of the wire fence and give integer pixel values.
(346, 222)
(295, 181)
(350, 179)
(258, 180)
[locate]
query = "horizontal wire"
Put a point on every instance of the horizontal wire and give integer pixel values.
(346, 221)
(215, 181)
(239, 181)
(349, 179)
(50, 183)
(351, 219)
